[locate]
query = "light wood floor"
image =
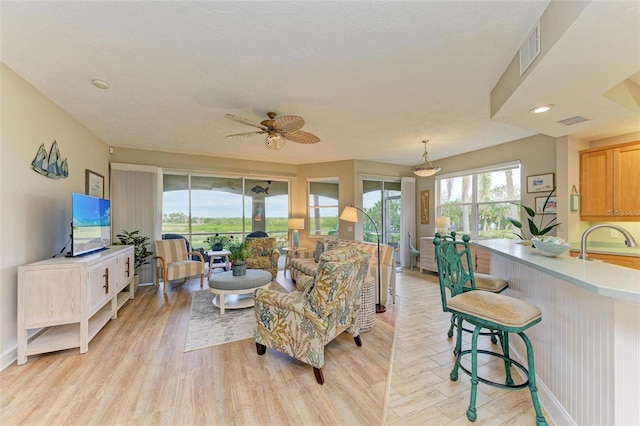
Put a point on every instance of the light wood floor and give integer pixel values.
(136, 372)
(421, 392)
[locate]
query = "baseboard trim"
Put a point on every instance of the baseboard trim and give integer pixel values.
(9, 357)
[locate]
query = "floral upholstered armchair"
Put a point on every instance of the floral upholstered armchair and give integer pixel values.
(263, 254)
(300, 324)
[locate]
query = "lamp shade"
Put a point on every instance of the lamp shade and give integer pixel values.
(443, 223)
(425, 168)
(296, 223)
(349, 214)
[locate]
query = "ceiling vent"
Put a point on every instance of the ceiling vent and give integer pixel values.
(573, 120)
(530, 49)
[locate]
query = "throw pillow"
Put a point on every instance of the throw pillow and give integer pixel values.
(334, 245)
(319, 251)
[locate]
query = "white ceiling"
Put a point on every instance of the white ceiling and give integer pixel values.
(371, 79)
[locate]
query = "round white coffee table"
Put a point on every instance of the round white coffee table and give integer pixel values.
(233, 292)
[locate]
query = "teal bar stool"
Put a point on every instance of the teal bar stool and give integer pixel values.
(484, 282)
(499, 313)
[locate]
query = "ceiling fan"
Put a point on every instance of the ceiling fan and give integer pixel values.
(277, 130)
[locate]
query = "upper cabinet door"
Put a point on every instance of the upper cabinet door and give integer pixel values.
(610, 183)
(626, 186)
(596, 178)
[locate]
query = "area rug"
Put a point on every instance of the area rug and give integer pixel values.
(208, 328)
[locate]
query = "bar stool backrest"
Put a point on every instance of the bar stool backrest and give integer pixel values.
(455, 266)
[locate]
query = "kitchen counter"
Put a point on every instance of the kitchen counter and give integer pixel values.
(597, 277)
(586, 345)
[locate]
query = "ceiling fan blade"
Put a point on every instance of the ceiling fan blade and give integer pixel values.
(244, 121)
(288, 123)
(301, 137)
(244, 135)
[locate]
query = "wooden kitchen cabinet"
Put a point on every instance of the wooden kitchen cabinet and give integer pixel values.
(610, 183)
(615, 259)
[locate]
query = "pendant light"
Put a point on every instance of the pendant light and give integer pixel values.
(424, 167)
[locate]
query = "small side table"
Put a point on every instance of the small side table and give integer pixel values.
(290, 253)
(224, 254)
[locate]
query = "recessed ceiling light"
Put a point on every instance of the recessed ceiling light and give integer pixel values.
(540, 109)
(100, 84)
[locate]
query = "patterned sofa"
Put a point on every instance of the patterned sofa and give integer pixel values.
(263, 254)
(307, 263)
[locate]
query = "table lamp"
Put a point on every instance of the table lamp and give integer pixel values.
(443, 224)
(294, 224)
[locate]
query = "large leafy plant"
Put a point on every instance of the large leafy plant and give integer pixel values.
(535, 230)
(139, 242)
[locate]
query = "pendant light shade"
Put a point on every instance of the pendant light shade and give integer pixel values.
(424, 166)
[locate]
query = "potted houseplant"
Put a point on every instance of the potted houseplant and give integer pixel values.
(218, 242)
(535, 230)
(238, 257)
(141, 253)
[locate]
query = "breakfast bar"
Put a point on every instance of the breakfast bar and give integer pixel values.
(587, 344)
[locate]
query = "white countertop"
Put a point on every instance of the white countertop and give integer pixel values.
(598, 277)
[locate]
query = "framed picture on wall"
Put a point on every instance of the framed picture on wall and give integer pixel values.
(540, 183)
(93, 184)
(550, 208)
(424, 207)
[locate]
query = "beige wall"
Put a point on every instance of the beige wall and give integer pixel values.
(537, 155)
(35, 211)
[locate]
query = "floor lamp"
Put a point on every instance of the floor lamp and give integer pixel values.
(350, 214)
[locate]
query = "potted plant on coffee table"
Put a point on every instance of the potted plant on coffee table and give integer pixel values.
(238, 257)
(141, 253)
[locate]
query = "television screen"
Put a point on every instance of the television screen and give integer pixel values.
(91, 224)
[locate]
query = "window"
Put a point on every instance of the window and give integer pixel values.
(323, 207)
(478, 202)
(199, 207)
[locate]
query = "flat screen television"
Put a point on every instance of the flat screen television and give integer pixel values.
(91, 224)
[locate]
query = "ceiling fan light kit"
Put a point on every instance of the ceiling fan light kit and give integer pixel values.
(278, 130)
(424, 167)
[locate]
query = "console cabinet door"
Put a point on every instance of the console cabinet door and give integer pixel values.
(97, 288)
(427, 255)
(123, 271)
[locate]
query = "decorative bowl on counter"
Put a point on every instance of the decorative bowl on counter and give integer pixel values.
(550, 246)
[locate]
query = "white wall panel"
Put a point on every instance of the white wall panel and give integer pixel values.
(584, 348)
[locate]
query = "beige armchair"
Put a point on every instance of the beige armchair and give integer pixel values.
(172, 262)
(264, 254)
(300, 324)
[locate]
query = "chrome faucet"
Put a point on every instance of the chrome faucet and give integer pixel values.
(629, 241)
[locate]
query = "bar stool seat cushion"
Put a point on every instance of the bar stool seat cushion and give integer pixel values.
(487, 282)
(497, 308)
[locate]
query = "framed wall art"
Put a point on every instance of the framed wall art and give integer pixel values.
(550, 208)
(424, 207)
(93, 184)
(540, 183)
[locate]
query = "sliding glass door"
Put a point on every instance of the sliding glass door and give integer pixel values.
(381, 201)
(198, 207)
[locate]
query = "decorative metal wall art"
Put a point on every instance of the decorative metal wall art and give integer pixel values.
(50, 164)
(424, 207)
